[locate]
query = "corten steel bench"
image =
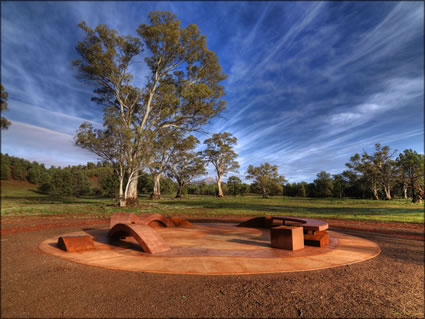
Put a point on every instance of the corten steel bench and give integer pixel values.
(314, 230)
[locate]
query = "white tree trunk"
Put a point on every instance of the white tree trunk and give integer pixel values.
(156, 187)
(121, 198)
(375, 192)
(131, 188)
(220, 191)
(387, 190)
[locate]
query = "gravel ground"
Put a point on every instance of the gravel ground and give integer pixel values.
(34, 284)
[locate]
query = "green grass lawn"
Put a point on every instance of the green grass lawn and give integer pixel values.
(22, 199)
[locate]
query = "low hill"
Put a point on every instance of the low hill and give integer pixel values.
(208, 181)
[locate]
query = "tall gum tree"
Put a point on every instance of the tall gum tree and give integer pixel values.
(182, 91)
(220, 154)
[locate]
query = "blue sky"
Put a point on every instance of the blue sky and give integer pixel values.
(309, 83)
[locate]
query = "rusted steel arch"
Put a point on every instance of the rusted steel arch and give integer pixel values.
(148, 239)
(152, 220)
(156, 220)
(123, 218)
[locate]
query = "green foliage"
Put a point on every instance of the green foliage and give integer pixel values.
(4, 123)
(234, 185)
(323, 185)
(18, 169)
(267, 178)
(184, 165)
(411, 172)
(5, 167)
(81, 185)
(220, 154)
(168, 186)
(145, 184)
(35, 173)
(65, 183)
(183, 89)
(110, 185)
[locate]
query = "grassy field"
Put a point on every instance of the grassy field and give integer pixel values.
(22, 199)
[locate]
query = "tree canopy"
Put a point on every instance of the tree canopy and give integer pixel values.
(4, 124)
(267, 177)
(182, 90)
(185, 164)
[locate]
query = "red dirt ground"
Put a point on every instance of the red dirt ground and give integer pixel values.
(34, 284)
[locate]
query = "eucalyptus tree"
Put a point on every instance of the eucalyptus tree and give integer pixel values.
(370, 173)
(162, 153)
(234, 185)
(182, 89)
(411, 167)
(220, 154)
(266, 176)
(382, 159)
(378, 169)
(185, 164)
(4, 124)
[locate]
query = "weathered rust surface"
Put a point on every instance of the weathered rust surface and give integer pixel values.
(306, 223)
(148, 239)
(216, 249)
(318, 239)
(258, 222)
(180, 222)
(156, 220)
(123, 218)
(287, 237)
(152, 220)
(76, 243)
(270, 221)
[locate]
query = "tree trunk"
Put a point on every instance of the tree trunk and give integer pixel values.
(121, 198)
(220, 191)
(264, 192)
(375, 192)
(387, 191)
(417, 197)
(156, 187)
(132, 190)
(179, 190)
(405, 191)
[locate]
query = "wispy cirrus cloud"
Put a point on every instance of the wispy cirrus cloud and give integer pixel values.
(310, 83)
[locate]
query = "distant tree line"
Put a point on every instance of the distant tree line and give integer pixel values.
(379, 175)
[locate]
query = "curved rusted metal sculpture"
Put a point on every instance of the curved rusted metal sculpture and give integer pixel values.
(180, 222)
(156, 220)
(123, 218)
(152, 220)
(76, 243)
(147, 238)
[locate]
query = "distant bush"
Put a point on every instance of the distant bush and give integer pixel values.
(110, 185)
(5, 169)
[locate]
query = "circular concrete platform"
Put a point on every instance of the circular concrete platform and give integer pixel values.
(215, 249)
